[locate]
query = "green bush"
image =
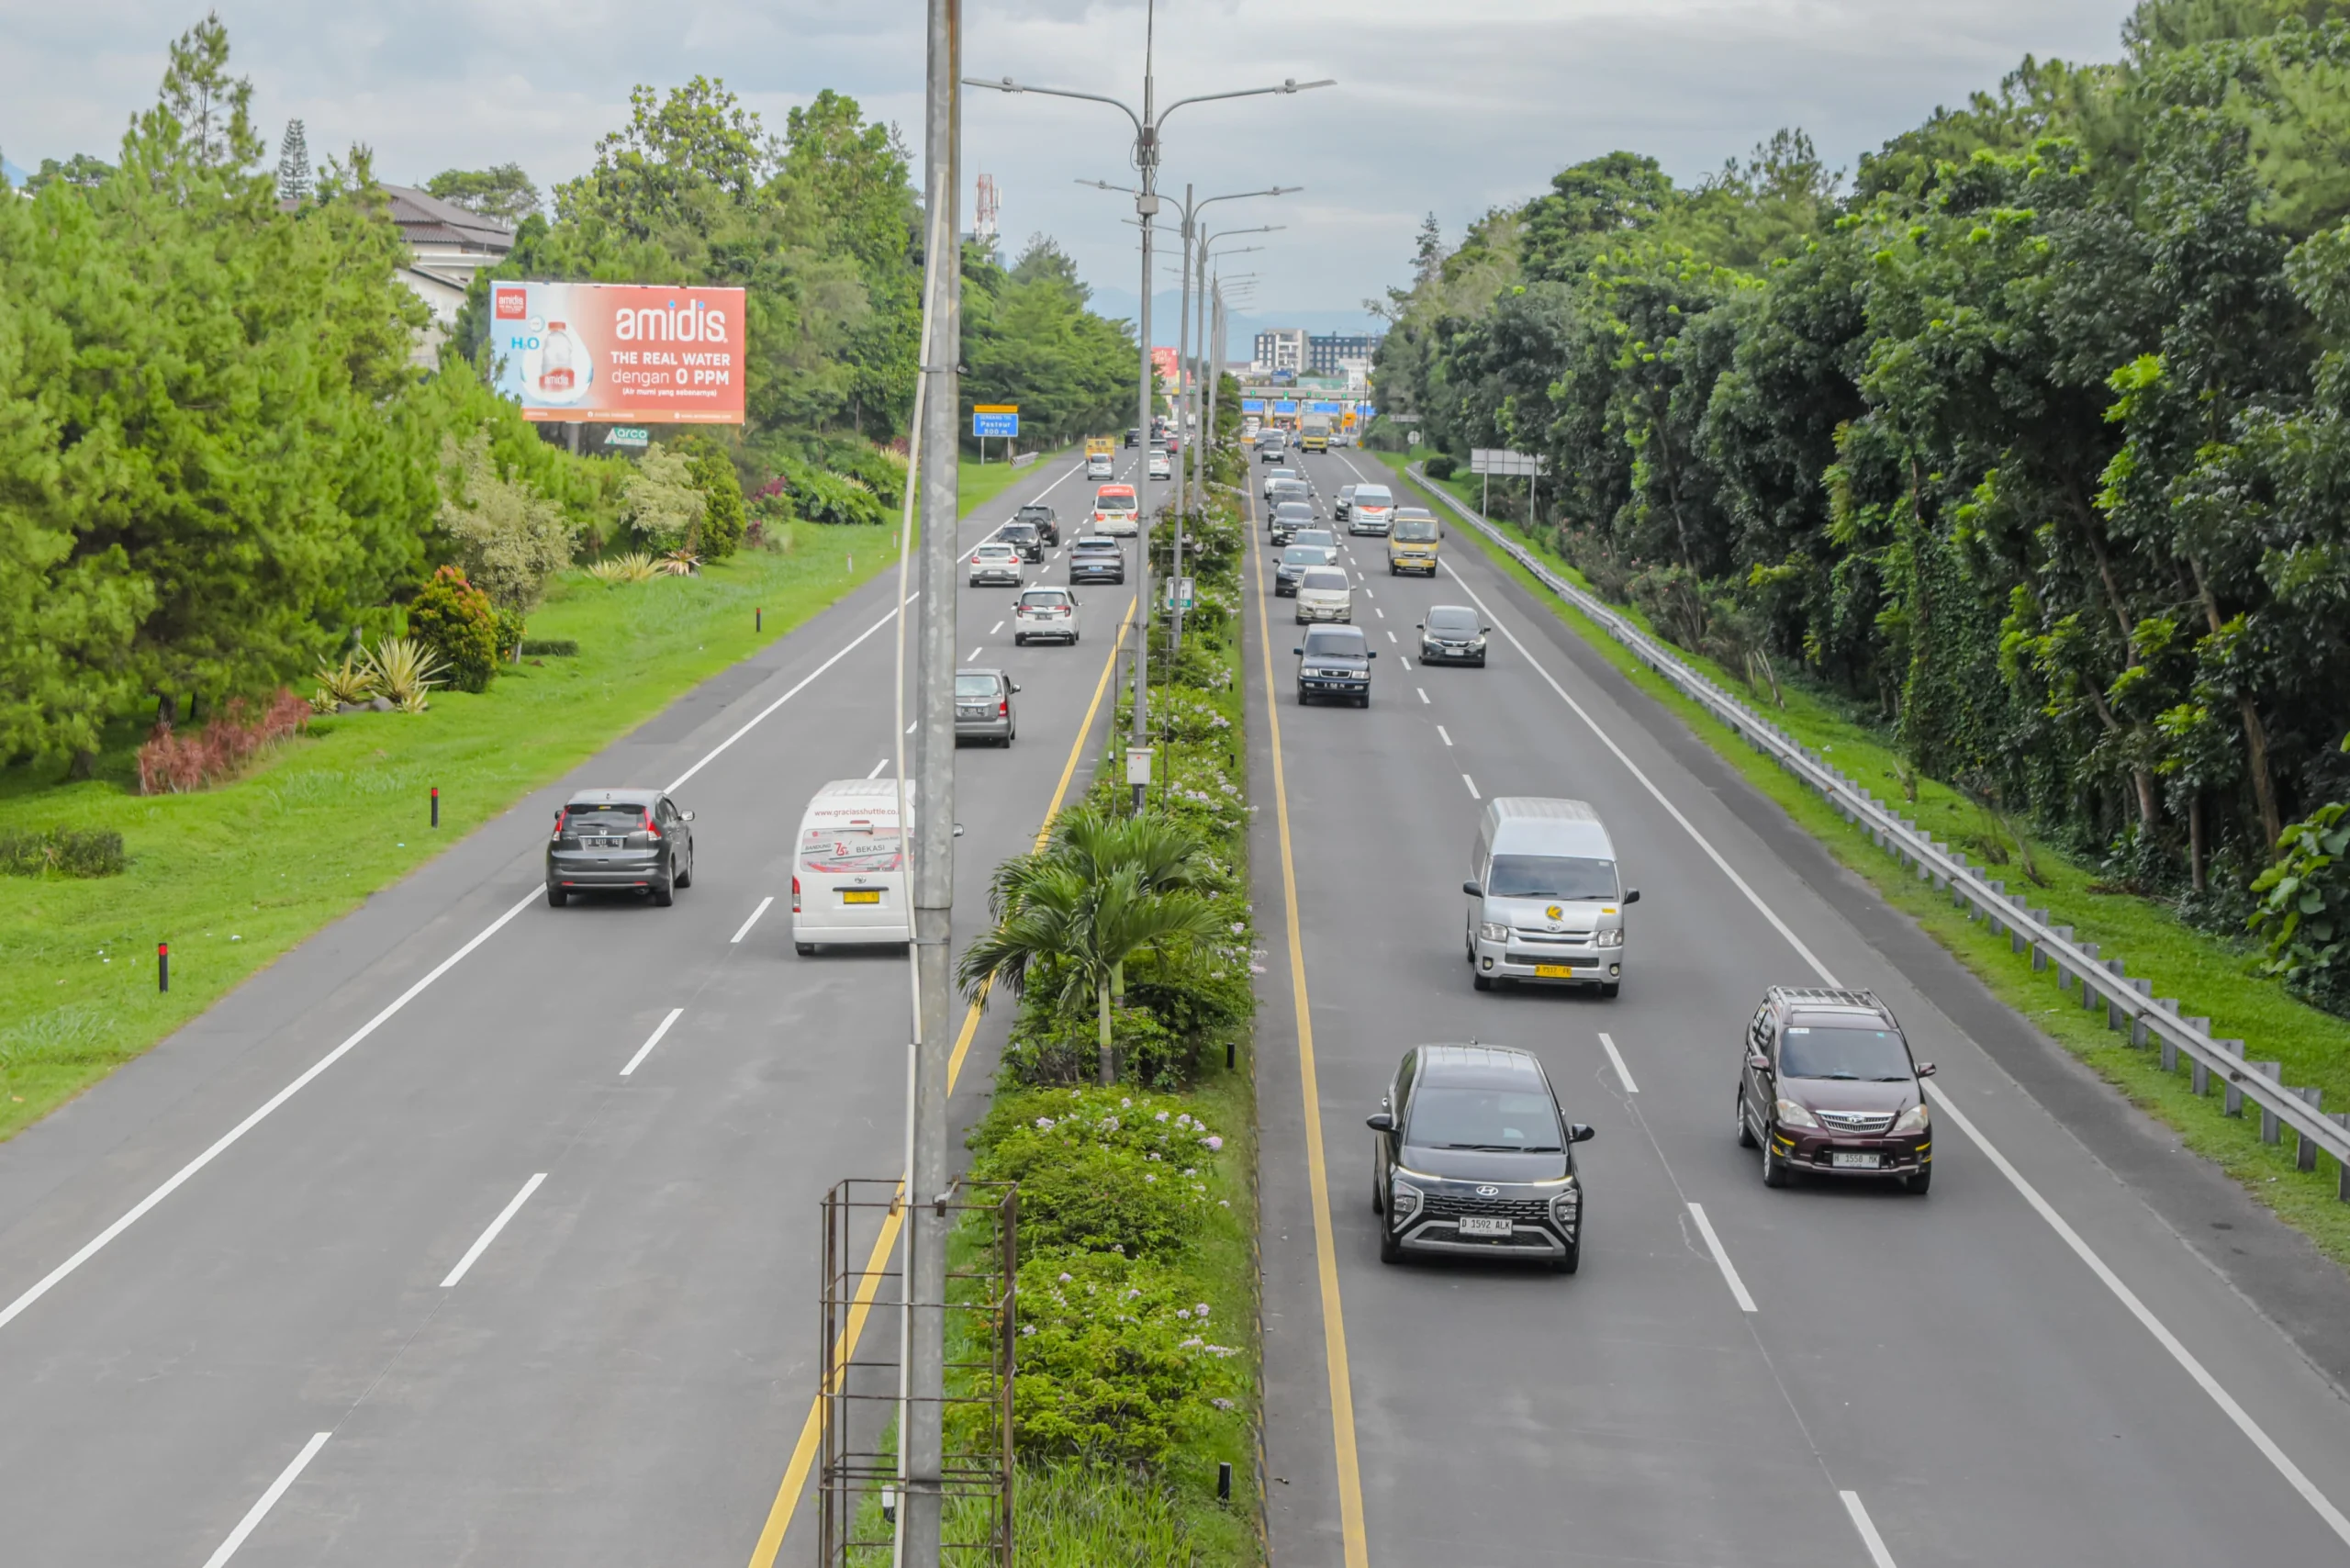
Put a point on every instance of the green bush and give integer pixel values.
(455, 620)
(828, 498)
(69, 852)
(1441, 467)
(1117, 1358)
(725, 516)
(2304, 910)
(1100, 1172)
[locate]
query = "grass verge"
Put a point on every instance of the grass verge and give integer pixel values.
(235, 875)
(2212, 978)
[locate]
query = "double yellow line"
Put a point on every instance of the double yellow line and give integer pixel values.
(1325, 1253)
(803, 1453)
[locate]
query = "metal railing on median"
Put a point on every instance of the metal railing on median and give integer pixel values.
(2082, 969)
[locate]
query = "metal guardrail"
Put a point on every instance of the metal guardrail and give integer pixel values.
(2082, 969)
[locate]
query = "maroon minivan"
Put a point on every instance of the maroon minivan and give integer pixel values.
(1829, 1087)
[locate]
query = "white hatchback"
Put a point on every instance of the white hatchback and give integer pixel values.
(995, 563)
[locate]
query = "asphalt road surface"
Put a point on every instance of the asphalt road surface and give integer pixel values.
(469, 1293)
(1822, 1375)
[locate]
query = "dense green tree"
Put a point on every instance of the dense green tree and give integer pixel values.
(1028, 338)
(504, 193)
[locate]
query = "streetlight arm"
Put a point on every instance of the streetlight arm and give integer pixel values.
(1006, 85)
(1238, 196)
(1292, 85)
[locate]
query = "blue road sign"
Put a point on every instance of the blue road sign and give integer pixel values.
(987, 424)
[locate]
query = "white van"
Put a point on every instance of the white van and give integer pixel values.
(1545, 902)
(850, 884)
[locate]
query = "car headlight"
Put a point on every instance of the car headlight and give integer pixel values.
(1402, 1201)
(1793, 1115)
(1491, 931)
(1567, 1205)
(1913, 1120)
(1609, 938)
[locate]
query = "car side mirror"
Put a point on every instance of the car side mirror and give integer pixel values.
(1631, 895)
(1581, 1132)
(1419, 625)
(1758, 1061)
(1381, 1122)
(689, 816)
(1925, 1069)
(1298, 651)
(959, 830)
(1015, 688)
(1373, 653)
(1474, 890)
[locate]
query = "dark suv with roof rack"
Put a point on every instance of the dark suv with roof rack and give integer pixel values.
(1475, 1160)
(1829, 1087)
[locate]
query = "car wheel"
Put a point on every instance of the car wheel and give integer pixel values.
(1567, 1262)
(803, 948)
(1377, 1192)
(1020, 639)
(557, 897)
(1745, 1133)
(1483, 982)
(686, 875)
(1920, 1182)
(1775, 1169)
(1390, 1250)
(1364, 700)
(1481, 661)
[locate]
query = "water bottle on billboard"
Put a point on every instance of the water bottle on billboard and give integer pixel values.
(556, 377)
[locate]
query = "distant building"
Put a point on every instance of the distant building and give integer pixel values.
(1309, 353)
(1326, 355)
(1284, 349)
(451, 245)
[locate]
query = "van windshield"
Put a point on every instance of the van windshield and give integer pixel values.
(1333, 642)
(1876, 1055)
(1414, 531)
(1566, 877)
(1510, 1121)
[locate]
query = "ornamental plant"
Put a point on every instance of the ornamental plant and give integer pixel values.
(457, 622)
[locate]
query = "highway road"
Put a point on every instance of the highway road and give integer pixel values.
(2046, 1360)
(480, 1232)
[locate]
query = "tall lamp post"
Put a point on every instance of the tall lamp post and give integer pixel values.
(1149, 125)
(1210, 364)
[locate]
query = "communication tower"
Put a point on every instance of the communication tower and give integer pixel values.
(983, 227)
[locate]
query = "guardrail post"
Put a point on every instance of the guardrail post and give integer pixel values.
(2342, 1181)
(1991, 911)
(2115, 1012)
(2275, 1072)
(2231, 1093)
(2038, 955)
(2306, 1157)
(2170, 1048)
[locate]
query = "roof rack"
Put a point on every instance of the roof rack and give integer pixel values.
(1824, 996)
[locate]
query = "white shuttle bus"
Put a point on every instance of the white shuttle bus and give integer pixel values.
(850, 882)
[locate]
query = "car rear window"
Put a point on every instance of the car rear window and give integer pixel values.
(1019, 531)
(602, 816)
(1107, 502)
(1304, 556)
(1043, 597)
(975, 686)
(1036, 514)
(1813, 1050)
(1324, 579)
(1514, 1121)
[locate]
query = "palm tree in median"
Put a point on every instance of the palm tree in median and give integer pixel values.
(1071, 915)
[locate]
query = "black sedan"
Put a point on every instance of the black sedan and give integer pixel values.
(1453, 635)
(624, 840)
(1475, 1160)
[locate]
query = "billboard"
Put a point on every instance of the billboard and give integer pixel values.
(1162, 359)
(616, 351)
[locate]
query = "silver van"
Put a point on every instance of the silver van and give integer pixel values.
(1546, 905)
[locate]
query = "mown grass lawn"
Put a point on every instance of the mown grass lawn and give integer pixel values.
(234, 876)
(2212, 977)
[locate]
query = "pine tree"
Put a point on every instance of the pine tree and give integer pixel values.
(1428, 259)
(293, 181)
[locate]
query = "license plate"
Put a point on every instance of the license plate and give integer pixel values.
(1843, 1161)
(600, 844)
(873, 895)
(1554, 971)
(1478, 1225)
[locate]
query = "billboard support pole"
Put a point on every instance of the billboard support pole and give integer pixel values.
(922, 1435)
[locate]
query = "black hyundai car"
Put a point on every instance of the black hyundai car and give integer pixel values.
(633, 841)
(1335, 661)
(1475, 1160)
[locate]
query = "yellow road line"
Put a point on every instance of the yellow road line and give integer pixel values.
(803, 1453)
(1333, 1323)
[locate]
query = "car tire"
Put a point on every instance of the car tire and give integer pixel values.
(1745, 1131)
(664, 892)
(1481, 661)
(1364, 700)
(557, 897)
(685, 877)
(1570, 1260)
(1921, 1183)
(1482, 983)
(1377, 1192)
(1775, 1169)
(1390, 1250)
(803, 948)
(1020, 639)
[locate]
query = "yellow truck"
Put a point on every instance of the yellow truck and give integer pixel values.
(1100, 446)
(1313, 435)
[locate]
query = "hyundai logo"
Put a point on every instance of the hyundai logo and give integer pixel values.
(1489, 1191)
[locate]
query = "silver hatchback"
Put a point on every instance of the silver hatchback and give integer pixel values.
(983, 708)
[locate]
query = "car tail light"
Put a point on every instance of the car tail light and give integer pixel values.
(650, 831)
(561, 813)
(1003, 707)
(795, 895)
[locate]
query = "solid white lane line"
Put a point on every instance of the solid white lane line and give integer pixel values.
(753, 723)
(1440, 731)
(1473, 786)
(2334, 1519)
(976, 651)
(1623, 1073)
(878, 768)
(481, 1243)
(1648, 784)
(260, 1510)
(760, 911)
(1423, 692)
(647, 1049)
(1721, 1258)
(90, 1249)
(2170, 1341)
(1879, 1555)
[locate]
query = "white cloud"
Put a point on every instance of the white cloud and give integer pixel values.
(1451, 108)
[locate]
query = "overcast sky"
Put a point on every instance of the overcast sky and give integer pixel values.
(1449, 106)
